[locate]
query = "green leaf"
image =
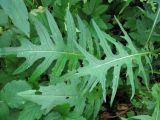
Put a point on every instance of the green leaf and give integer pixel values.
(142, 117)
(155, 92)
(17, 11)
(51, 96)
(47, 2)
(5, 38)
(70, 27)
(10, 90)
(93, 105)
(156, 113)
(153, 26)
(53, 116)
(69, 116)
(97, 69)
(3, 18)
(4, 111)
(94, 7)
(126, 4)
(122, 118)
(110, 1)
(31, 111)
(101, 23)
(48, 49)
(74, 116)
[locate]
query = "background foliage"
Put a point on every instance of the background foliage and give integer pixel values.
(71, 59)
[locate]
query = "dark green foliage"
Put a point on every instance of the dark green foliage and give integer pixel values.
(59, 59)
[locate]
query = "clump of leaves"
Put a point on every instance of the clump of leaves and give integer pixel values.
(67, 72)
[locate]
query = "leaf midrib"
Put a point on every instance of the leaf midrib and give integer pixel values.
(119, 59)
(7, 51)
(52, 51)
(54, 95)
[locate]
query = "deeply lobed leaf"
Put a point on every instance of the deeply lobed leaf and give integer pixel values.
(98, 69)
(53, 95)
